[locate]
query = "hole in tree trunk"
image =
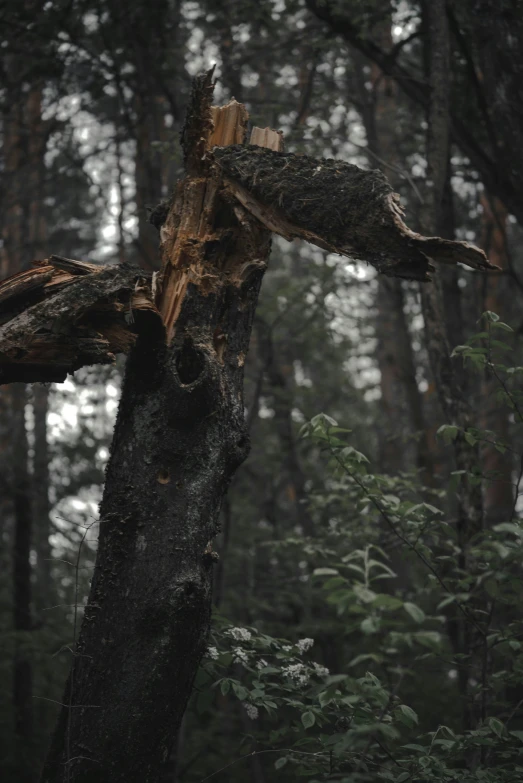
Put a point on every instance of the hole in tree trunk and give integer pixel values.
(190, 363)
(163, 476)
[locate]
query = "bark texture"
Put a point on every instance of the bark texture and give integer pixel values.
(453, 403)
(339, 207)
(40, 500)
(63, 314)
(401, 401)
(179, 437)
(22, 614)
(497, 467)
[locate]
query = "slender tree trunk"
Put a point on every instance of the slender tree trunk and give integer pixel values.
(499, 493)
(278, 378)
(23, 153)
(401, 401)
(22, 619)
(40, 497)
(470, 506)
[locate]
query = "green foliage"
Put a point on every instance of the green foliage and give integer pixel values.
(432, 665)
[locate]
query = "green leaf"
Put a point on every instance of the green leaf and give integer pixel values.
(402, 777)
(366, 657)
(417, 614)
(370, 625)
(334, 678)
(448, 432)
(225, 687)
(281, 762)
(364, 594)
(518, 735)
(496, 726)
(488, 315)
(384, 601)
(240, 691)
(407, 715)
(508, 527)
(503, 326)
(325, 572)
(430, 639)
(308, 719)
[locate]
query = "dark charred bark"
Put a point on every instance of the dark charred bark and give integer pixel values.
(64, 314)
(180, 435)
(339, 207)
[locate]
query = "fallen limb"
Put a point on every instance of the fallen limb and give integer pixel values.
(339, 207)
(64, 314)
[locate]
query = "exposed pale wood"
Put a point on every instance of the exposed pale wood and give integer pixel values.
(267, 137)
(24, 282)
(230, 124)
(189, 228)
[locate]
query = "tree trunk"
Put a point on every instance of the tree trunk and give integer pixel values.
(180, 435)
(40, 497)
(24, 144)
(499, 492)
(22, 619)
(401, 400)
(470, 504)
(296, 494)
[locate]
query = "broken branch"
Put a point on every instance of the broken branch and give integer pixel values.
(64, 314)
(338, 207)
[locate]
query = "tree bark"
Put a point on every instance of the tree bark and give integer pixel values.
(40, 500)
(22, 615)
(296, 493)
(179, 437)
(24, 144)
(401, 401)
(497, 467)
(455, 409)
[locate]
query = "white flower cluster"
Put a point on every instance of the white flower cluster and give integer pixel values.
(239, 655)
(213, 653)
(304, 644)
(320, 670)
(240, 634)
(251, 710)
(287, 647)
(297, 672)
(261, 664)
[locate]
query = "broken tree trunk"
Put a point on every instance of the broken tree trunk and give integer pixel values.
(180, 435)
(180, 432)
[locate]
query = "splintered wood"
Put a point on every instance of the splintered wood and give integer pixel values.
(204, 239)
(266, 137)
(230, 123)
(63, 314)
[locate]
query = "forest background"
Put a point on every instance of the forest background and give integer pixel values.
(367, 622)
